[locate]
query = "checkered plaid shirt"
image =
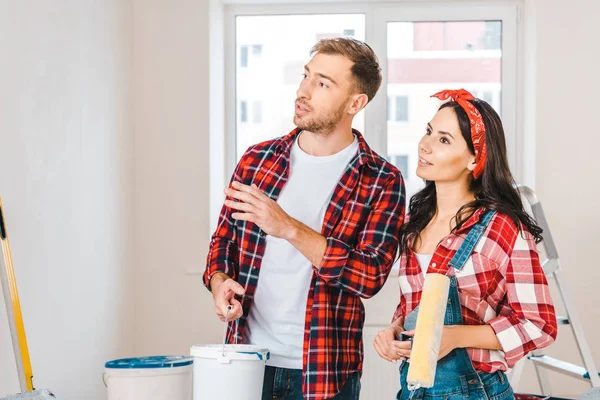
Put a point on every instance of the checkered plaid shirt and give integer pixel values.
(361, 225)
(502, 284)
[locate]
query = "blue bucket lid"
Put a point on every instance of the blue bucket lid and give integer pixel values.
(150, 362)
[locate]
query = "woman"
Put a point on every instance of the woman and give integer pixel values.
(499, 306)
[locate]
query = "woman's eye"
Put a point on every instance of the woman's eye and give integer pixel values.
(428, 132)
(444, 140)
(304, 76)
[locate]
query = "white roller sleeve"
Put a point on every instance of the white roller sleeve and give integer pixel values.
(428, 332)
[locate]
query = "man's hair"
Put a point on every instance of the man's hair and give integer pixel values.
(366, 70)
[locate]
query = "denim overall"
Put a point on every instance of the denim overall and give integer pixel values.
(455, 377)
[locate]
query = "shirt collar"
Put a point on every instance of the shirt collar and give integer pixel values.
(366, 156)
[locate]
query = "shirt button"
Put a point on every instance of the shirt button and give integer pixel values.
(433, 265)
(449, 241)
(254, 267)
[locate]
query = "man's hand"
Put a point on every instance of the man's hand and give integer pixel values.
(224, 289)
(260, 209)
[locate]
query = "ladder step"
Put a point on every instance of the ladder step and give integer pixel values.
(561, 366)
(562, 320)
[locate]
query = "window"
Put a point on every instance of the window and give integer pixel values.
(244, 56)
(457, 36)
(243, 111)
(491, 96)
(248, 52)
(397, 109)
(487, 96)
(492, 35)
(401, 162)
(401, 108)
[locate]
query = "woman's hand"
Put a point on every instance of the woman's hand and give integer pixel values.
(450, 341)
(402, 348)
(384, 341)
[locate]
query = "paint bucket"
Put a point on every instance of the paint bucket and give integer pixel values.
(156, 378)
(231, 371)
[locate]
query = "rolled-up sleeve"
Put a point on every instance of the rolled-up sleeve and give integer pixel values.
(363, 269)
(530, 322)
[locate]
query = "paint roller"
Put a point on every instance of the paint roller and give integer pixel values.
(428, 332)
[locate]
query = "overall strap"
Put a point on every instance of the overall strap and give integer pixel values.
(464, 252)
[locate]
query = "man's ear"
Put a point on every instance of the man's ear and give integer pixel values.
(357, 103)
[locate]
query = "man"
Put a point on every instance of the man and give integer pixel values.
(316, 214)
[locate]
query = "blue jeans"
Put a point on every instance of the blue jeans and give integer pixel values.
(286, 384)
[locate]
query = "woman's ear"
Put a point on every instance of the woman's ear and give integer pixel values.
(472, 164)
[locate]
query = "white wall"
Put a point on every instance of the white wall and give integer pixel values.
(66, 181)
(173, 310)
(568, 166)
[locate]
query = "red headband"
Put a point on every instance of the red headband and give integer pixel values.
(461, 96)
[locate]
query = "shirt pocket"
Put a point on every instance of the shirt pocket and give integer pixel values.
(478, 277)
(353, 219)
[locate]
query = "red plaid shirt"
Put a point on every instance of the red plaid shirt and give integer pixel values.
(502, 284)
(361, 225)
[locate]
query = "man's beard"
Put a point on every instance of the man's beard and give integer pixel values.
(321, 124)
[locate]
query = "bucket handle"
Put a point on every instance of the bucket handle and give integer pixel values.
(104, 380)
(223, 359)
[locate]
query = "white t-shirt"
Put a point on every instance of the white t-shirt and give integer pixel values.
(276, 319)
(424, 260)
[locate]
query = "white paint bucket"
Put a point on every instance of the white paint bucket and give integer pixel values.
(150, 378)
(235, 373)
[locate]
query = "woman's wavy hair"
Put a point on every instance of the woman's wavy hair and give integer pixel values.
(495, 189)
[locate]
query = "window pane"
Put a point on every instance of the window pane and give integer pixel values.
(270, 74)
(243, 111)
(401, 108)
(424, 58)
(492, 37)
(244, 56)
(401, 162)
